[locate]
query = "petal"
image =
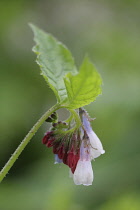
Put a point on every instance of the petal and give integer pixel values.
(83, 173)
(84, 152)
(44, 140)
(72, 159)
(86, 124)
(57, 159)
(96, 148)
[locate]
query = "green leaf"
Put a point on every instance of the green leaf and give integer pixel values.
(55, 61)
(84, 87)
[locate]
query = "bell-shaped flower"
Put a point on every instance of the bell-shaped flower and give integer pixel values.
(83, 173)
(96, 148)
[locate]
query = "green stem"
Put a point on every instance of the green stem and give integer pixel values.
(26, 140)
(69, 118)
(77, 118)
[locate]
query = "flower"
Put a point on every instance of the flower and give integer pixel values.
(65, 147)
(84, 173)
(75, 148)
(96, 148)
(91, 148)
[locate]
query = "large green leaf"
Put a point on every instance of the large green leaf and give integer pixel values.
(84, 87)
(55, 61)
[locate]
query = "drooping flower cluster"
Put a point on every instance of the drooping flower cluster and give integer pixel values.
(65, 148)
(75, 149)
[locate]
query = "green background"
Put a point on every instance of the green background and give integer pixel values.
(109, 31)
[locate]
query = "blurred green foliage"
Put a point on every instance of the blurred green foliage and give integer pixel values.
(109, 32)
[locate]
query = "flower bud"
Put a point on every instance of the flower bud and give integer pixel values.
(54, 116)
(49, 119)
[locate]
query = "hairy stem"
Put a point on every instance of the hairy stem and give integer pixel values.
(69, 118)
(77, 118)
(26, 140)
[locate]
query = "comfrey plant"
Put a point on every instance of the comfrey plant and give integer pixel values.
(75, 147)
(73, 141)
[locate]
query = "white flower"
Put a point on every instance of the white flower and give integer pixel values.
(83, 173)
(96, 148)
(91, 147)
